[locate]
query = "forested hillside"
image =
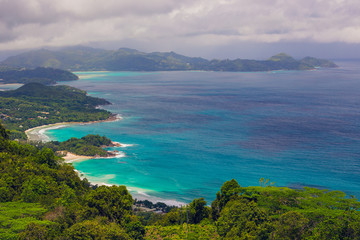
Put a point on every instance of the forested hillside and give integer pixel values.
(41, 197)
(89, 145)
(89, 59)
(39, 74)
(35, 104)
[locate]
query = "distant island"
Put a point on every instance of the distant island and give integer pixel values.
(81, 58)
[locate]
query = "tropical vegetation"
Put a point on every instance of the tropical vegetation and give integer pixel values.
(89, 145)
(41, 197)
(35, 104)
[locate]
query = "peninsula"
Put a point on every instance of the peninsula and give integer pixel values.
(39, 75)
(34, 105)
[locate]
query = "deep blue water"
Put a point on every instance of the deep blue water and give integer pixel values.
(192, 131)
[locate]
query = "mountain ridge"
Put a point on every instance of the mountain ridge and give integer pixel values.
(80, 58)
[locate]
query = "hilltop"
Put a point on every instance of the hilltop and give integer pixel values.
(124, 59)
(39, 74)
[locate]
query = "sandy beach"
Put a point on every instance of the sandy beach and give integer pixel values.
(38, 133)
(9, 86)
(93, 74)
(70, 158)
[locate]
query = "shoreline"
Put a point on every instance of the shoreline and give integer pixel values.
(9, 86)
(136, 193)
(37, 133)
(71, 157)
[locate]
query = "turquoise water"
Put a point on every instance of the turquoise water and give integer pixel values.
(189, 132)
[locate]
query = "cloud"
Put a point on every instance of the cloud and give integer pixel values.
(36, 23)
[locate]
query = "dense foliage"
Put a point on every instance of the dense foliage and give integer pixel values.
(35, 104)
(41, 197)
(124, 59)
(283, 213)
(265, 212)
(204, 231)
(39, 75)
(89, 145)
(16, 216)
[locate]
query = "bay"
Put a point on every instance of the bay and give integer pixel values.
(189, 132)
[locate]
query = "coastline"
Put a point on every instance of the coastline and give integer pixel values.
(37, 133)
(71, 157)
(93, 74)
(137, 193)
(9, 86)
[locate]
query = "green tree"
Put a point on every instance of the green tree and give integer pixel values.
(6, 192)
(228, 190)
(68, 196)
(96, 229)
(47, 156)
(198, 210)
(172, 218)
(4, 133)
(135, 229)
(291, 225)
(34, 189)
(345, 227)
(34, 231)
(113, 202)
(241, 219)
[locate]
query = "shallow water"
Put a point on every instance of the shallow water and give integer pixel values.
(192, 131)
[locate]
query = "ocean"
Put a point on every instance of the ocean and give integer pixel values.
(186, 133)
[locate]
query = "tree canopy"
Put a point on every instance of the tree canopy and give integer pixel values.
(41, 197)
(35, 104)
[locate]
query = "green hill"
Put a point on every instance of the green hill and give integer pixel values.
(41, 197)
(125, 59)
(35, 104)
(318, 62)
(39, 93)
(39, 74)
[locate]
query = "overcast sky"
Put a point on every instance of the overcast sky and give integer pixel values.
(206, 28)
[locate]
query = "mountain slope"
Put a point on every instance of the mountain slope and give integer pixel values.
(125, 59)
(39, 74)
